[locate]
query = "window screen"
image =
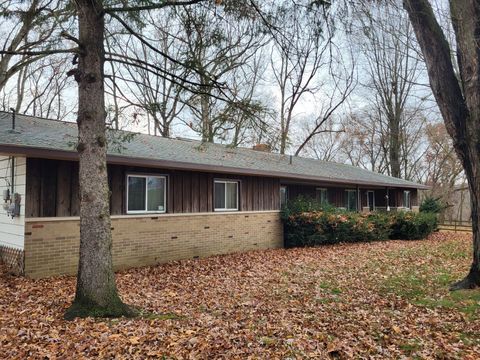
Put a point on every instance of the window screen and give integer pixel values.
(226, 195)
(146, 194)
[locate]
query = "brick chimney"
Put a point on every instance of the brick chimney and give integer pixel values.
(262, 147)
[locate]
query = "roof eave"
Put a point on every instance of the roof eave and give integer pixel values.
(38, 152)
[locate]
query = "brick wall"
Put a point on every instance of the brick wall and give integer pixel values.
(51, 244)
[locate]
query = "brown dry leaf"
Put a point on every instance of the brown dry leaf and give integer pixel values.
(396, 329)
(380, 300)
(134, 340)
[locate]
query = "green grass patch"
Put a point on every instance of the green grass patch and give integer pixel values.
(330, 288)
(469, 338)
(410, 347)
(425, 277)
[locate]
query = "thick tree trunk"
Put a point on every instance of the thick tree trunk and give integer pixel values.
(460, 106)
(96, 293)
(472, 280)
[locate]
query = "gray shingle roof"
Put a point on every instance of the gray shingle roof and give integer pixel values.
(37, 134)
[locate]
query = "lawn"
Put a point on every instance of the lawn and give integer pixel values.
(374, 300)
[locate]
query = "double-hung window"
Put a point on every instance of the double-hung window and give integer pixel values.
(406, 199)
(226, 195)
(146, 194)
(351, 200)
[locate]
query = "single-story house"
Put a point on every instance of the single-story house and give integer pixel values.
(170, 198)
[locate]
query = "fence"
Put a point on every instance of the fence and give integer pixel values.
(455, 225)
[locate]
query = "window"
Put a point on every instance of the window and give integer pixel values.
(321, 195)
(371, 200)
(406, 199)
(283, 195)
(351, 200)
(226, 195)
(146, 194)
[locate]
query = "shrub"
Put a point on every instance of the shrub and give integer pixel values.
(308, 223)
(304, 204)
(332, 226)
(431, 205)
(413, 226)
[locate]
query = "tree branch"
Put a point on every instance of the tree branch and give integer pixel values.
(152, 6)
(75, 50)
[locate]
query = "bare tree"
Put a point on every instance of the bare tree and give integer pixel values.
(27, 27)
(444, 173)
(306, 66)
(222, 45)
(394, 72)
(41, 89)
(161, 100)
(457, 97)
(364, 142)
(247, 117)
(328, 145)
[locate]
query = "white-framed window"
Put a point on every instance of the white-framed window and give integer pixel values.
(226, 195)
(351, 200)
(146, 194)
(406, 199)
(321, 195)
(283, 195)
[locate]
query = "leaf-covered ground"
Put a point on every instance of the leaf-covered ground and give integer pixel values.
(376, 300)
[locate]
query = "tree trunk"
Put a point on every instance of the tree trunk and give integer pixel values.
(394, 145)
(96, 292)
(460, 109)
(472, 280)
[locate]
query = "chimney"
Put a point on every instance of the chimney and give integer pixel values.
(262, 147)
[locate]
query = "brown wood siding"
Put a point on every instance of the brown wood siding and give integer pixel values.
(52, 189)
(33, 200)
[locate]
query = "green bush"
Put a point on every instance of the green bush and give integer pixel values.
(431, 205)
(413, 226)
(330, 227)
(307, 223)
(303, 204)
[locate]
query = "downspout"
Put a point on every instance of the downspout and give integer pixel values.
(13, 158)
(13, 176)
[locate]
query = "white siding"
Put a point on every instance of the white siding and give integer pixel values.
(12, 231)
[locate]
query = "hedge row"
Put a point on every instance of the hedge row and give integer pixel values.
(329, 226)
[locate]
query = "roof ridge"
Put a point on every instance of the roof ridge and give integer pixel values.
(36, 117)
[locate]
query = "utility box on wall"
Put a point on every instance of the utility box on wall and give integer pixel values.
(12, 206)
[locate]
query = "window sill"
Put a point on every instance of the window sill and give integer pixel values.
(145, 212)
(131, 216)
